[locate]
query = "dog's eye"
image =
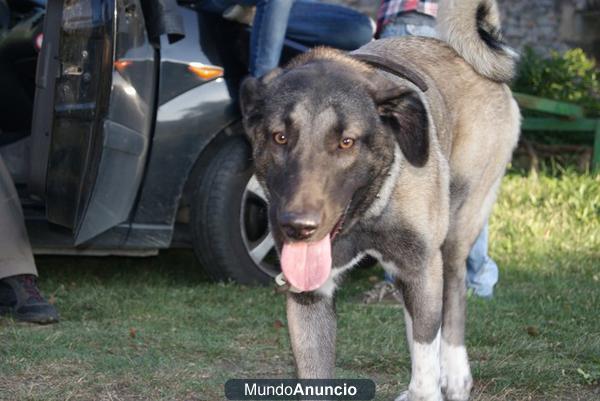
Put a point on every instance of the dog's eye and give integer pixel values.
(346, 143)
(280, 138)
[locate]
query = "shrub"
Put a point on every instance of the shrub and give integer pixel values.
(570, 77)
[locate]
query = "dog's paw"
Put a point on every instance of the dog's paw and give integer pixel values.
(456, 380)
(456, 388)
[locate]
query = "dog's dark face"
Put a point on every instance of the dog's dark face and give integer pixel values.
(323, 140)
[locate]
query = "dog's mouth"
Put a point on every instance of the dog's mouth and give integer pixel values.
(339, 226)
(307, 265)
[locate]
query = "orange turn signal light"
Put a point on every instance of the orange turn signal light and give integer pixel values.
(205, 72)
(121, 65)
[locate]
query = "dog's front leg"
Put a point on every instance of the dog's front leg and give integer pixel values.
(456, 373)
(312, 324)
(422, 293)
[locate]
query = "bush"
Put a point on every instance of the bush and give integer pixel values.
(570, 77)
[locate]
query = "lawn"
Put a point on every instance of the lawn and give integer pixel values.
(157, 329)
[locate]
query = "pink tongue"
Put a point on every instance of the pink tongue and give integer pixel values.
(306, 265)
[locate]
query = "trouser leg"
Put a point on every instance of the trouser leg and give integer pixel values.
(268, 29)
(482, 271)
(268, 35)
(16, 256)
(315, 23)
(216, 6)
(410, 23)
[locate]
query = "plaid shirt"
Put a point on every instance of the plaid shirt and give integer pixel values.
(391, 8)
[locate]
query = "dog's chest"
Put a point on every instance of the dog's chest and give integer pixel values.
(393, 244)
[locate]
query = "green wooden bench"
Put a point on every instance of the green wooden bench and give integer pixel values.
(562, 117)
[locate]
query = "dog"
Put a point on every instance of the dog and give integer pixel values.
(395, 151)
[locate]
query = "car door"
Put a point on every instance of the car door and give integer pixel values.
(94, 109)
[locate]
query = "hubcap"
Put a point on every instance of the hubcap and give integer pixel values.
(254, 225)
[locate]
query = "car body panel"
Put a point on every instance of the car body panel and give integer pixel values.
(159, 118)
(185, 124)
(102, 116)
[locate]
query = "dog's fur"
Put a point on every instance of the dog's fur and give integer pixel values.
(414, 191)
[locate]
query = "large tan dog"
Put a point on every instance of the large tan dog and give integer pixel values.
(395, 151)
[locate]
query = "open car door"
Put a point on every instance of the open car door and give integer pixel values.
(94, 109)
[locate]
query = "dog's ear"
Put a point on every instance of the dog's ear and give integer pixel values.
(404, 114)
(252, 98)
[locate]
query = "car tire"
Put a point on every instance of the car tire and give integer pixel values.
(229, 222)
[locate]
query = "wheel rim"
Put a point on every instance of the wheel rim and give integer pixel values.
(254, 227)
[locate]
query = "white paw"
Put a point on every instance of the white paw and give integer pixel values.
(456, 380)
(456, 388)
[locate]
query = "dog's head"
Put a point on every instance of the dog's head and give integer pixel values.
(323, 132)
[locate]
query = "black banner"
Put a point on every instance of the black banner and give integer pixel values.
(292, 389)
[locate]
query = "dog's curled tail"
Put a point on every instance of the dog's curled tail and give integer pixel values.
(472, 28)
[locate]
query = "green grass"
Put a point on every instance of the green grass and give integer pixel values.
(156, 329)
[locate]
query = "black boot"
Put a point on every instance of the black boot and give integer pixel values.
(21, 298)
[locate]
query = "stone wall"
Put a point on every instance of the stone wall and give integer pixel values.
(551, 24)
(541, 24)
(532, 23)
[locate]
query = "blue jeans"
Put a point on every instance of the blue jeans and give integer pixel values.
(314, 23)
(409, 23)
(482, 271)
(306, 21)
(268, 29)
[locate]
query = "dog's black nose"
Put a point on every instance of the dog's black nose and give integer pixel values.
(299, 226)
